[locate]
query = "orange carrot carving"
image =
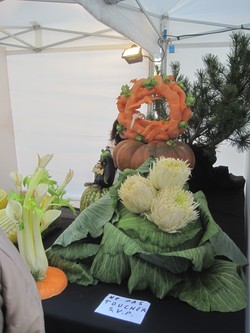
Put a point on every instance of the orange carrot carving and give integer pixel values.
(144, 92)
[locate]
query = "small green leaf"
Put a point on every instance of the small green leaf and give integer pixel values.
(190, 100)
(181, 85)
(119, 128)
(125, 90)
(139, 138)
(149, 83)
(183, 124)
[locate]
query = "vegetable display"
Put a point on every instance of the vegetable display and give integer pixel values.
(176, 249)
(132, 123)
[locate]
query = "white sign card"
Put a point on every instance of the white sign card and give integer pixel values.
(123, 308)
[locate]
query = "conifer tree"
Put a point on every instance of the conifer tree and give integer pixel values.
(221, 110)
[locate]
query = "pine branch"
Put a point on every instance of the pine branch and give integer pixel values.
(222, 98)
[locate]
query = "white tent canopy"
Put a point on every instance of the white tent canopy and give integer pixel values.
(65, 69)
(37, 26)
(150, 23)
(42, 25)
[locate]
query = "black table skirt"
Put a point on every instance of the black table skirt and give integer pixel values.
(73, 310)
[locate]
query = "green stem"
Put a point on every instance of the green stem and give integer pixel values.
(48, 203)
(32, 185)
(20, 242)
(28, 243)
(41, 261)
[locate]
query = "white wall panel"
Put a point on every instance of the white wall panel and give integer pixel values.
(66, 104)
(8, 160)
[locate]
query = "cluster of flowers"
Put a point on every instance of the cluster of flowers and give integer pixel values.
(161, 196)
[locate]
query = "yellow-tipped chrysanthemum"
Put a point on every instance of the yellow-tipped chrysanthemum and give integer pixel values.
(169, 172)
(137, 194)
(173, 209)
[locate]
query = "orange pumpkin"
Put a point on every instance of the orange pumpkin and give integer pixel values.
(131, 154)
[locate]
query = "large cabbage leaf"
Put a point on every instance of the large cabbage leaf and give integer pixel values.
(221, 243)
(89, 222)
(219, 288)
(145, 275)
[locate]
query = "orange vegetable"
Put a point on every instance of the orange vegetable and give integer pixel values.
(131, 154)
(134, 122)
(54, 283)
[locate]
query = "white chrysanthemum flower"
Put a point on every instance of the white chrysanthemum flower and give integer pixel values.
(137, 194)
(169, 172)
(173, 209)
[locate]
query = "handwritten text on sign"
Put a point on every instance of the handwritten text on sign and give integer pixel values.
(123, 308)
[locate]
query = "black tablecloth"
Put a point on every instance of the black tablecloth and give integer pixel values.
(73, 310)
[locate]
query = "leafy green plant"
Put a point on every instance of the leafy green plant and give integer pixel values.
(221, 110)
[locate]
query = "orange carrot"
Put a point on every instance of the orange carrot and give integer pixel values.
(173, 129)
(125, 119)
(121, 102)
(186, 114)
(182, 96)
(157, 133)
(133, 92)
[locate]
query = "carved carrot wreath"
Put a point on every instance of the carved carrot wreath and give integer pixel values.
(144, 91)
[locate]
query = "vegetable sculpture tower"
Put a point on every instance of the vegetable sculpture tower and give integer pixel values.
(149, 231)
(144, 137)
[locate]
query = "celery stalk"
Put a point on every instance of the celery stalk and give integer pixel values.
(32, 209)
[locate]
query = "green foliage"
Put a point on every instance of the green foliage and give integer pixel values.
(221, 110)
(125, 90)
(149, 83)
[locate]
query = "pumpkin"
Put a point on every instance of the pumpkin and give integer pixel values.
(131, 154)
(91, 194)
